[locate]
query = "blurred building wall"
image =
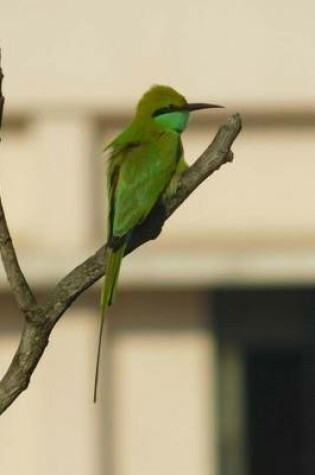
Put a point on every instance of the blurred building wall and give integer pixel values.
(73, 72)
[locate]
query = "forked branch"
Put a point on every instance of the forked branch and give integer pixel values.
(40, 320)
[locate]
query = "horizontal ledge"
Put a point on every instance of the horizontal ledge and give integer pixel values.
(286, 115)
(188, 269)
(220, 268)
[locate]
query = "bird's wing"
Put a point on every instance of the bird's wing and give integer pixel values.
(141, 174)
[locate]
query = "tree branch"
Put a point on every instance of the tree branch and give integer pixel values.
(33, 342)
(20, 288)
(217, 154)
(40, 320)
(91, 270)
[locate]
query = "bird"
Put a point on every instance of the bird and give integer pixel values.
(145, 160)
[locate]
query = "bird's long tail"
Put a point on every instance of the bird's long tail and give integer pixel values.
(113, 262)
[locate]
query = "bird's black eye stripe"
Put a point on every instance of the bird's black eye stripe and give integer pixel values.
(164, 110)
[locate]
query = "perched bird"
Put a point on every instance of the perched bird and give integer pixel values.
(142, 162)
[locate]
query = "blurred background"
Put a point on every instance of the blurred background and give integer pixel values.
(209, 365)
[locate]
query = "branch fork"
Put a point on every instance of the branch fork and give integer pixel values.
(39, 321)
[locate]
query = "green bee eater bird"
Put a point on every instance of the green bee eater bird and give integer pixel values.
(143, 160)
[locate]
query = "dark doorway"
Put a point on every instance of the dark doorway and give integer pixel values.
(271, 333)
(280, 412)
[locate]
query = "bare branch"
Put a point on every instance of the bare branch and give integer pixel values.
(39, 321)
(20, 288)
(34, 337)
(33, 342)
(217, 154)
(73, 284)
(86, 274)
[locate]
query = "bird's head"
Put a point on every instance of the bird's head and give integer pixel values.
(168, 108)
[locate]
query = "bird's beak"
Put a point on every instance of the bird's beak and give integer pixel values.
(200, 105)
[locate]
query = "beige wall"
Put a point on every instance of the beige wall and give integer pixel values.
(156, 406)
(52, 427)
(163, 380)
(106, 53)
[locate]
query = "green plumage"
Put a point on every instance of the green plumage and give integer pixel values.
(143, 160)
